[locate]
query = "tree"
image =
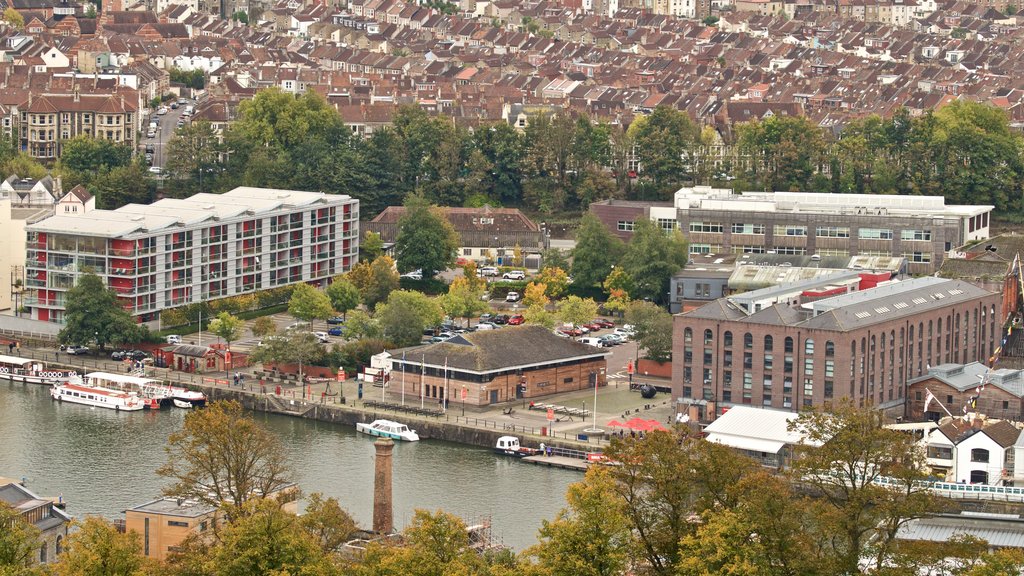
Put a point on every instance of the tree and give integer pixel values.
(462, 301)
(476, 282)
(309, 304)
(240, 16)
(591, 537)
(375, 280)
(435, 544)
(618, 302)
(787, 151)
(651, 258)
(406, 314)
(224, 458)
(116, 187)
(371, 247)
(426, 240)
(195, 78)
(19, 541)
(327, 522)
(228, 327)
(90, 11)
(846, 450)
(97, 547)
(84, 154)
(653, 326)
(25, 166)
(12, 17)
(577, 311)
(618, 280)
(555, 257)
(193, 155)
(541, 316)
(263, 326)
(360, 325)
(293, 347)
(535, 294)
(344, 295)
(665, 144)
(596, 251)
(94, 313)
(555, 281)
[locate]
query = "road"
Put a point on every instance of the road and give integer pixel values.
(168, 124)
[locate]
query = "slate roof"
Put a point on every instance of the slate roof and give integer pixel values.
(509, 348)
(964, 377)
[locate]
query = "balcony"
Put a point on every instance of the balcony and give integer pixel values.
(122, 272)
(179, 246)
(124, 289)
(321, 238)
(250, 251)
(180, 282)
(122, 252)
(145, 270)
(249, 234)
(249, 269)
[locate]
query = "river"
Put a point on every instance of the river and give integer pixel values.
(103, 462)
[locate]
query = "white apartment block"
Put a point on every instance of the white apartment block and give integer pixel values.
(175, 252)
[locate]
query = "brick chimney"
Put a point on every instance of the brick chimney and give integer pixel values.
(383, 521)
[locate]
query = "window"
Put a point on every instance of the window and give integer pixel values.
(59, 544)
(626, 225)
(790, 230)
(748, 249)
(830, 349)
(713, 227)
(808, 366)
(768, 361)
(708, 356)
(768, 343)
(874, 234)
(748, 340)
(688, 335)
(177, 523)
(700, 248)
(708, 336)
(979, 455)
(748, 229)
(789, 344)
(467, 251)
(916, 235)
(667, 224)
(832, 232)
(702, 290)
(809, 346)
(940, 452)
(145, 536)
(919, 257)
(42, 553)
(790, 250)
(728, 338)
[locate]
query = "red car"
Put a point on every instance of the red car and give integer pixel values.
(571, 332)
(603, 323)
(593, 326)
(516, 320)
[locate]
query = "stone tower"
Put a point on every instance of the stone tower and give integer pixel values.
(383, 523)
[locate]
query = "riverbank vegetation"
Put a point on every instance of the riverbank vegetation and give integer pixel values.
(676, 505)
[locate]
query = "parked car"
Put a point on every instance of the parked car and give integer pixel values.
(173, 339)
(514, 275)
(487, 271)
(501, 319)
(336, 331)
(595, 342)
(604, 323)
(570, 331)
(623, 333)
(161, 110)
(335, 320)
(486, 326)
(512, 297)
(609, 340)
(174, 105)
(77, 350)
(118, 355)
(182, 101)
(414, 275)
(561, 334)
(593, 327)
(150, 149)
(322, 337)
(156, 170)
(516, 320)
(486, 317)
(297, 325)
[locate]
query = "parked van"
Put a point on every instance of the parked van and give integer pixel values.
(595, 342)
(189, 110)
(173, 339)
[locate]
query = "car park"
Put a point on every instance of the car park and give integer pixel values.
(512, 297)
(77, 350)
(609, 340)
(593, 327)
(487, 271)
(514, 275)
(335, 331)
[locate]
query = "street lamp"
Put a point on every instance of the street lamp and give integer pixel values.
(463, 399)
(593, 428)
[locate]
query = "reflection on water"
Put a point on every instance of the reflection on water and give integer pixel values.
(103, 462)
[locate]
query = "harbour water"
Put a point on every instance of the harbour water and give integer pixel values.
(103, 462)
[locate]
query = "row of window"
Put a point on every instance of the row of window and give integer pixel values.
(820, 231)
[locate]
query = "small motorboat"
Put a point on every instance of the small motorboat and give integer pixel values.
(182, 404)
(388, 429)
(509, 446)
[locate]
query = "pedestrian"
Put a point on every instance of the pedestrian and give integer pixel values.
(10, 348)
(236, 378)
(543, 450)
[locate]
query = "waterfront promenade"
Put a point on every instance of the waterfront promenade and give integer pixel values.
(466, 424)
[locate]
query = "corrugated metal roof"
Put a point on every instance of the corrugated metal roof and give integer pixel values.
(999, 531)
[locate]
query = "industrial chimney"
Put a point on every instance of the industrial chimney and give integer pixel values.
(383, 522)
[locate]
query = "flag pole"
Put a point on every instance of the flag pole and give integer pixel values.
(931, 397)
(403, 377)
(423, 375)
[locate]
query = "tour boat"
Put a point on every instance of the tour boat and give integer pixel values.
(96, 396)
(509, 446)
(27, 371)
(153, 394)
(388, 429)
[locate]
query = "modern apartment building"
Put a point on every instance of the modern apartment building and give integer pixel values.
(208, 246)
(921, 229)
(806, 350)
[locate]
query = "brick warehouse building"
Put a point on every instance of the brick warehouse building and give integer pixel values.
(864, 345)
(955, 384)
(495, 366)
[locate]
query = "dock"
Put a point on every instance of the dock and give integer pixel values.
(564, 462)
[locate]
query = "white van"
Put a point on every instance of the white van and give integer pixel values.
(173, 339)
(189, 110)
(595, 342)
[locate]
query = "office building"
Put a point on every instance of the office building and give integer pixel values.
(181, 251)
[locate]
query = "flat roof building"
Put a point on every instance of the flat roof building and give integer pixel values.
(863, 345)
(180, 251)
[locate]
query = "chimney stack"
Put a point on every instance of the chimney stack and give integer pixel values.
(383, 522)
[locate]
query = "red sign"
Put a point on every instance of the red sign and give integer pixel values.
(341, 375)
(629, 367)
(551, 414)
(463, 393)
(227, 357)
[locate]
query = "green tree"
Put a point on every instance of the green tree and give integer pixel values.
(555, 258)
(653, 325)
(435, 544)
(224, 458)
(591, 537)
(344, 295)
(263, 326)
(309, 304)
(14, 18)
(361, 326)
(539, 315)
(97, 547)
(787, 151)
(371, 247)
(193, 155)
(462, 301)
(555, 281)
(24, 166)
(85, 154)
(665, 144)
(195, 79)
(406, 314)
(293, 347)
(375, 280)
(327, 522)
(651, 258)
(596, 251)
(116, 187)
(227, 327)
(426, 240)
(577, 311)
(240, 16)
(848, 449)
(94, 313)
(19, 541)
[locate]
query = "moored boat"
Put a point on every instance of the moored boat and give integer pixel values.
(96, 396)
(28, 371)
(153, 394)
(509, 446)
(182, 404)
(193, 398)
(388, 429)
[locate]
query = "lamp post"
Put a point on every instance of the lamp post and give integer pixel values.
(463, 399)
(593, 428)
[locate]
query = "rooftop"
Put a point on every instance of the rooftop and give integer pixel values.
(756, 429)
(174, 507)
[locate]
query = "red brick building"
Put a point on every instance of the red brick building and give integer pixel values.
(863, 345)
(955, 384)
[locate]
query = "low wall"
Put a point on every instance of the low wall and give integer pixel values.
(22, 326)
(647, 367)
(308, 371)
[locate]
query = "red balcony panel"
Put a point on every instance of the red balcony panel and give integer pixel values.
(44, 314)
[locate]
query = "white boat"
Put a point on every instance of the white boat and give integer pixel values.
(388, 429)
(27, 371)
(182, 404)
(191, 397)
(509, 446)
(154, 394)
(96, 396)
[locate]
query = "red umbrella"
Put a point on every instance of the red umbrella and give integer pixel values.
(641, 425)
(615, 424)
(654, 425)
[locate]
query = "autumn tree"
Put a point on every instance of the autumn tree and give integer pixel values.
(14, 18)
(263, 326)
(374, 280)
(224, 458)
(293, 347)
(97, 547)
(462, 301)
(535, 294)
(434, 544)
(555, 281)
(19, 542)
(327, 522)
(577, 311)
(406, 314)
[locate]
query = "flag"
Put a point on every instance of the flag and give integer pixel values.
(974, 402)
(928, 399)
